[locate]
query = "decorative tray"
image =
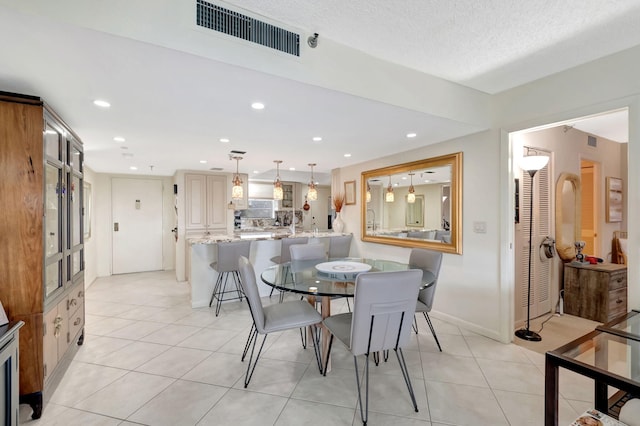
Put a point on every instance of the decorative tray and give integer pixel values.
(341, 270)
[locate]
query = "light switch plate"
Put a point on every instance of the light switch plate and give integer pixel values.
(480, 227)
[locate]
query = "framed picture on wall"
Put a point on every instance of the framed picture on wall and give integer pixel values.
(350, 192)
(614, 199)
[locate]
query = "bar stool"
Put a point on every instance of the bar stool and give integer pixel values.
(227, 264)
(285, 254)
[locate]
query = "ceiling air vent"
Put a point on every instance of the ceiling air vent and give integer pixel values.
(242, 26)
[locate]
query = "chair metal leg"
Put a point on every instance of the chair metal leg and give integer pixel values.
(238, 281)
(215, 289)
(252, 366)
(326, 360)
(426, 316)
(405, 375)
(221, 293)
(364, 412)
(252, 335)
(303, 337)
(415, 324)
(348, 304)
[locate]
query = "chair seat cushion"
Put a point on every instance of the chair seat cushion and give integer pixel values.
(340, 326)
(288, 315)
(421, 307)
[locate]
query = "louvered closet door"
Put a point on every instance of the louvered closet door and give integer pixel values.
(541, 269)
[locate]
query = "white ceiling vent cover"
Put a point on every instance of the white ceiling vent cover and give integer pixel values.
(242, 26)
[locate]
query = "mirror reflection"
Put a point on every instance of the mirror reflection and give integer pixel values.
(567, 214)
(414, 204)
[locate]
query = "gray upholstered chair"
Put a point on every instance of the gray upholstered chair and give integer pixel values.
(383, 307)
(429, 260)
(227, 264)
(340, 246)
(273, 318)
(309, 251)
(285, 253)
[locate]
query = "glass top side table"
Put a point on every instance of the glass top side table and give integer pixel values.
(607, 358)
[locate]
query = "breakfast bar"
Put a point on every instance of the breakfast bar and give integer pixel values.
(264, 246)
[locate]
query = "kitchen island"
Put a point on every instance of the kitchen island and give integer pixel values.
(265, 245)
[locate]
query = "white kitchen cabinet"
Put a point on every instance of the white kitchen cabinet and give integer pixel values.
(205, 202)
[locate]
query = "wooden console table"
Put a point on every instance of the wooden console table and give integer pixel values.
(596, 292)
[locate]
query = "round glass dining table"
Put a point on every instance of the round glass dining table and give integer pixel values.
(304, 277)
(319, 278)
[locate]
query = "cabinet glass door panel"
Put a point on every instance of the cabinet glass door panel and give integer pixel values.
(76, 263)
(52, 278)
(52, 142)
(76, 211)
(75, 157)
(53, 210)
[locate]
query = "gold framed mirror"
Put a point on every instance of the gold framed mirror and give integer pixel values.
(568, 215)
(388, 218)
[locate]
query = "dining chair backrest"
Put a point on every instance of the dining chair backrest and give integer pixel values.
(285, 252)
(310, 251)
(250, 288)
(340, 246)
(383, 308)
(428, 260)
(228, 254)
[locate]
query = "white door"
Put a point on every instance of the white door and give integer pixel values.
(137, 225)
(540, 301)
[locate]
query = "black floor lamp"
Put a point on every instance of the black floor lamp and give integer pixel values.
(531, 164)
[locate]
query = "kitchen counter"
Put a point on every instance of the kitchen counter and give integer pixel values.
(265, 245)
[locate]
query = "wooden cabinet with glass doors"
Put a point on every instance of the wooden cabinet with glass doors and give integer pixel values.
(42, 255)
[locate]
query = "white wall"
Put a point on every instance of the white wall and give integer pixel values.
(101, 186)
(476, 288)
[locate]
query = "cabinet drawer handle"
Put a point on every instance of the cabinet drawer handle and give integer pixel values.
(619, 301)
(77, 321)
(80, 294)
(73, 302)
(619, 280)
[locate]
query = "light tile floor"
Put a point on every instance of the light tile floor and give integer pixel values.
(149, 358)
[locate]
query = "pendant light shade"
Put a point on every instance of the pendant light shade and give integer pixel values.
(277, 185)
(389, 197)
(368, 195)
(312, 194)
(411, 197)
(236, 191)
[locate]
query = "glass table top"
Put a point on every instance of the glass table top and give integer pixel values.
(303, 276)
(605, 352)
(627, 326)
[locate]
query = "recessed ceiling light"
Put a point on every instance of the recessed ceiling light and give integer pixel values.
(119, 139)
(101, 103)
(257, 105)
(203, 161)
(293, 169)
(133, 168)
(224, 140)
(317, 139)
(404, 178)
(411, 135)
(347, 155)
(255, 172)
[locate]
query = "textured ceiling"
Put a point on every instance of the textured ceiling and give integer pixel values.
(172, 104)
(490, 45)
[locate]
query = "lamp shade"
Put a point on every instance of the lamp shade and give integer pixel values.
(533, 162)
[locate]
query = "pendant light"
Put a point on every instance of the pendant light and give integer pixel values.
(368, 195)
(411, 197)
(312, 195)
(277, 185)
(388, 197)
(236, 191)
